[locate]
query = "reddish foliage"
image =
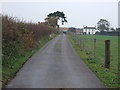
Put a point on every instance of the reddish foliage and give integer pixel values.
(18, 35)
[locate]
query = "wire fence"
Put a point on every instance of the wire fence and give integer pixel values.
(94, 47)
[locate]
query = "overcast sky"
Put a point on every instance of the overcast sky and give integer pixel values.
(78, 13)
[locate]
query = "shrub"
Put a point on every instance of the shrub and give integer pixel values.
(19, 36)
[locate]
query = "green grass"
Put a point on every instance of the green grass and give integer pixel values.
(108, 76)
(9, 71)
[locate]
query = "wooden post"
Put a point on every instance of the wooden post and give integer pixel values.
(107, 53)
(88, 42)
(73, 35)
(83, 41)
(75, 38)
(80, 42)
(119, 55)
(94, 47)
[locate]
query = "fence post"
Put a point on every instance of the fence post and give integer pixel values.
(80, 43)
(75, 38)
(94, 47)
(83, 41)
(107, 53)
(73, 35)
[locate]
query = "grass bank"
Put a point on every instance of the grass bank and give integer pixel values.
(108, 76)
(10, 70)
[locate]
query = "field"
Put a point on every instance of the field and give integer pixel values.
(84, 45)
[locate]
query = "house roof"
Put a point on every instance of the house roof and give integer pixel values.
(63, 28)
(89, 27)
(79, 30)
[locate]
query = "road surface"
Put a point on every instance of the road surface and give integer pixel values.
(56, 65)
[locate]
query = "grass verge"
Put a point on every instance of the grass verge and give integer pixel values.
(9, 72)
(105, 75)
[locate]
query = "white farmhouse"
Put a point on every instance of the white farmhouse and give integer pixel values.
(90, 30)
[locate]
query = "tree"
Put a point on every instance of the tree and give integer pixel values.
(72, 29)
(112, 29)
(51, 21)
(58, 15)
(103, 25)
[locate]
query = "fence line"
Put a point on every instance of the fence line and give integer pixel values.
(89, 46)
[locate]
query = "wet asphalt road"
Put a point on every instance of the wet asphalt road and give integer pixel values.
(56, 65)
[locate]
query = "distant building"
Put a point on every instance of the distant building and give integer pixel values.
(90, 30)
(85, 30)
(63, 29)
(79, 30)
(72, 29)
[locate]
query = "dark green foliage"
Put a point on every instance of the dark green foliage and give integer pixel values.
(72, 29)
(58, 15)
(103, 25)
(112, 33)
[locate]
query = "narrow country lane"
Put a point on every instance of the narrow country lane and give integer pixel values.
(56, 65)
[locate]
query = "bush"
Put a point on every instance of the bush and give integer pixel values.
(19, 37)
(112, 33)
